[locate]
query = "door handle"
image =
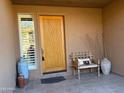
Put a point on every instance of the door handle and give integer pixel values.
(42, 51)
(43, 58)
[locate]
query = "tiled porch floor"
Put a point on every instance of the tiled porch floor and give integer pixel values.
(89, 83)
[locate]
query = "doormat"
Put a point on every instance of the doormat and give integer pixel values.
(52, 80)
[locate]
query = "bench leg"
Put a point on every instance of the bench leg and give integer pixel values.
(98, 71)
(79, 74)
(98, 68)
(74, 71)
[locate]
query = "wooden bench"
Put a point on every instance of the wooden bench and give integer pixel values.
(80, 61)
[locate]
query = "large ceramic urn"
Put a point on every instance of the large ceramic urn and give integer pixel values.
(106, 66)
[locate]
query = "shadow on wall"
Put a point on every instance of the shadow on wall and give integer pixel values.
(95, 45)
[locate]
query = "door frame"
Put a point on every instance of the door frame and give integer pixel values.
(40, 37)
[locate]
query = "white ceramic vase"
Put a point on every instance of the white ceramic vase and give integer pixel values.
(106, 66)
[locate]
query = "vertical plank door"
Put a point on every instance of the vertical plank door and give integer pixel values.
(52, 41)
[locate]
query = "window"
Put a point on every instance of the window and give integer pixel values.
(27, 39)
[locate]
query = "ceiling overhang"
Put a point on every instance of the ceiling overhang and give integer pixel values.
(66, 3)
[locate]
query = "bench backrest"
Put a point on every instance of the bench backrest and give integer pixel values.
(76, 55)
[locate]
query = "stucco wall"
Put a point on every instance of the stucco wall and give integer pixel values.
(83, 29)
(7, 47)
(113, 20)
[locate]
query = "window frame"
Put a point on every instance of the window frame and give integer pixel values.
(34, 67)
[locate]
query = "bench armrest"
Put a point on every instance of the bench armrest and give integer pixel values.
(96, 62)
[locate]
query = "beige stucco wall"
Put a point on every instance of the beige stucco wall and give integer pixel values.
(113, 20)
(7, 47)
(83, 29)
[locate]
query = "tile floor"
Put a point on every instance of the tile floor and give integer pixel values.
(89, 83)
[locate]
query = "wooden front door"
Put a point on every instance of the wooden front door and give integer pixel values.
(52, 43)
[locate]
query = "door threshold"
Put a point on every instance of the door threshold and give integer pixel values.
(54, 72)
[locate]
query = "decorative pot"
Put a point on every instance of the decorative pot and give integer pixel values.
(106, 66)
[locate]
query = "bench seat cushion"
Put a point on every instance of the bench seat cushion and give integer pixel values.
(92, 65)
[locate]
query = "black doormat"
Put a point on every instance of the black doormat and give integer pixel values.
(52, 80)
